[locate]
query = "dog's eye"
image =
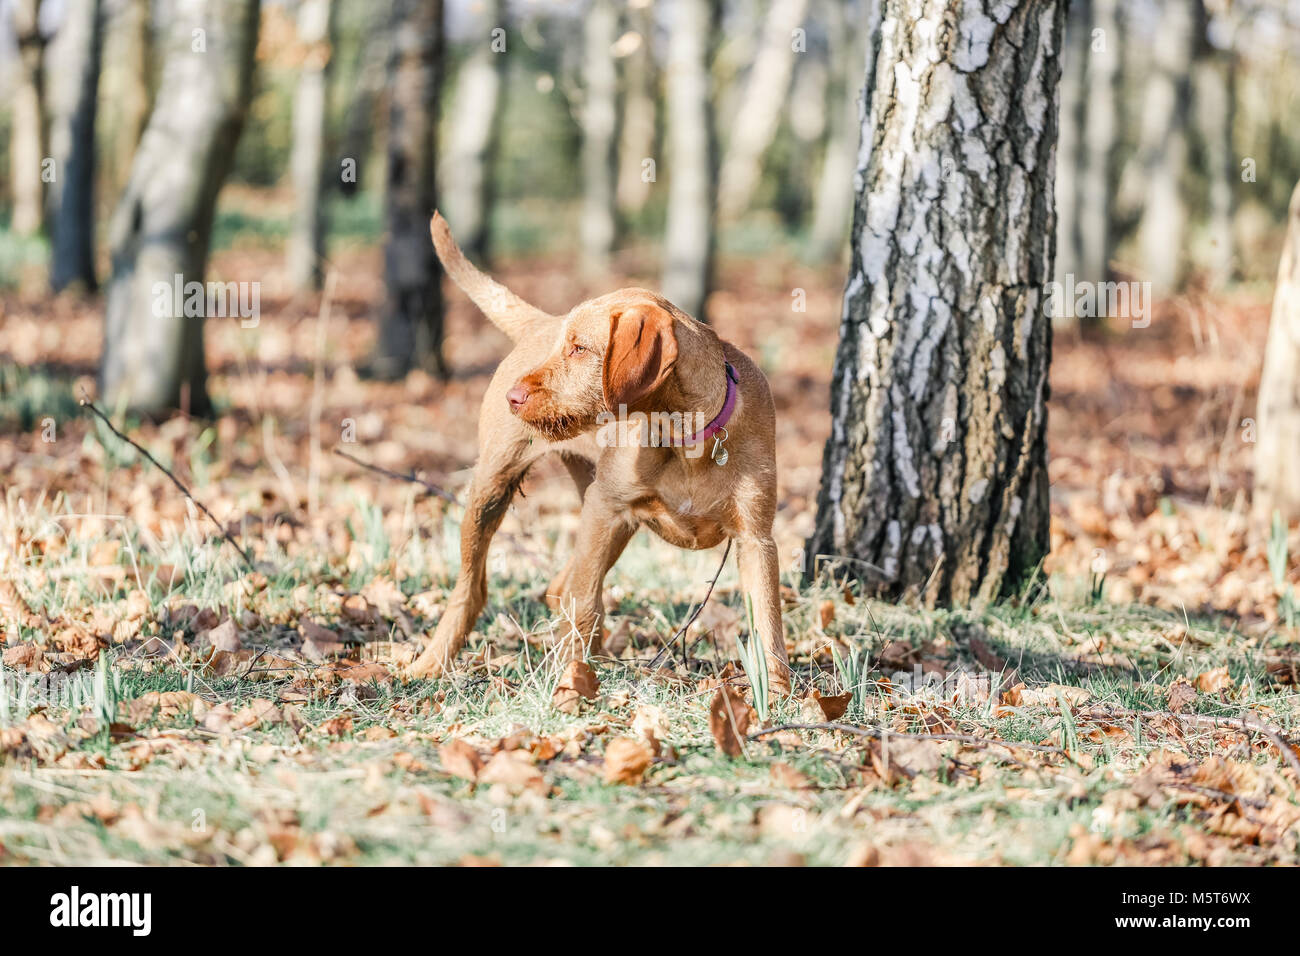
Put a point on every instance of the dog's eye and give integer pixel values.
(576, 349)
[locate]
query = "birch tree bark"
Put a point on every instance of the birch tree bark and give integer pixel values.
(599, 121)
(934, 482)
(689, 230)
(27, 138)
(1277, 454)
(306, 249)
(74, 83)
(410, 329)
(637, 136)
(479, 101)
(759, 113)
(153, 358)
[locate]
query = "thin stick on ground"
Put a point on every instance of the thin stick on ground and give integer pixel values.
(878, 733)
(1241, 724)
(247, 558)
(412, 477)
(668, 645)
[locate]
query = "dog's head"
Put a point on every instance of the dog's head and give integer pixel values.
(618, 350)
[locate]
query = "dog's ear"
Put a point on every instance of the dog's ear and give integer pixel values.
(641, 353)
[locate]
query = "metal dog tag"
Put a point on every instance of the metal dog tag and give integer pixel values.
(720, 455)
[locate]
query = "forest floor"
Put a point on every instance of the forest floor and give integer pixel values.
(162, 703)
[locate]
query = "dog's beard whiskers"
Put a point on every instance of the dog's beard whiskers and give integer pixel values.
(556, 427)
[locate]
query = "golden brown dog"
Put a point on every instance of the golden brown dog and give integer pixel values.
(620, 388)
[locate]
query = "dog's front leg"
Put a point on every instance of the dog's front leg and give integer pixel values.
(603, 533)
(760, 577)
(488, 500)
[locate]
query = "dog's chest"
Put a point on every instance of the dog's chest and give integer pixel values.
(682, 519)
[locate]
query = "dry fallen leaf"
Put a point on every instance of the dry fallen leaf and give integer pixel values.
(27, 656)
(460, 760)
(729, 715)
(909, 756)
(986, 656)
(650, 724)
(259, 712)
(223, 637)
(1213, 681)
(1180, 695)
(827, 613)
(818, 708)
(514, 769)
(337, 726)
(358, 610)
(167, 704)
(577, 682)
(219, 718)
(784, 775)
(626, 760)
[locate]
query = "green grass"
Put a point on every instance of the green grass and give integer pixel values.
(170, 790)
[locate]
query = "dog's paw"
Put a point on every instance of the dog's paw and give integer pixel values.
(426, 667)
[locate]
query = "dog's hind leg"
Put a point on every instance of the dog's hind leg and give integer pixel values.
(496, 479)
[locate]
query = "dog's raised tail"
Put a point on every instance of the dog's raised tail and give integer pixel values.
(509, 313)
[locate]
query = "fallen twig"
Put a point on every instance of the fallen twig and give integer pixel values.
(668, 645)
(247, 558)
(879, 732)
(1240, 724)
(412, 478)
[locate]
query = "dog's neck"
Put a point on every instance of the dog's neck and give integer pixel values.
(699, 397)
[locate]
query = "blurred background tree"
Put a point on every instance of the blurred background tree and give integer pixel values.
(160, 232)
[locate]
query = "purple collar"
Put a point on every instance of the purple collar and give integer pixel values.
(724, 416)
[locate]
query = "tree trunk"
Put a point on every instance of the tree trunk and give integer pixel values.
(1069, 198)
(129, 56)
(689, 230)
(833, 205)
(599, 121)
(306, 250)
(1277, 477)
(410, 331)
(805, 116)
(363, 86)
(75, 54)
(934, 483)
(1214, 96)
(27, 137)
(1097, 173)
(1161, 158)
(637, 137)
(760, 108)
(153, 357)
(476, 130)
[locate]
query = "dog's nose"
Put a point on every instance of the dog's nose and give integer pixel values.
(517, 396)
